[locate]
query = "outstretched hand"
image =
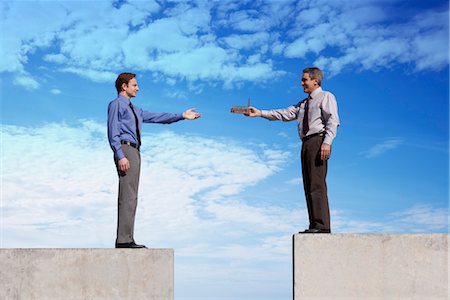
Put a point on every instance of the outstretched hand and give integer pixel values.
(190, 114)
(253, 112)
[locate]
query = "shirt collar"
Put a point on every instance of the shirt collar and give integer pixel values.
(316, 92)
(123, 99)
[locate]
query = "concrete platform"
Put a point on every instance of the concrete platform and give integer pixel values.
(87, 274)
(371, 266)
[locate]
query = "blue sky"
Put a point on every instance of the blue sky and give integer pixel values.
(224, 191)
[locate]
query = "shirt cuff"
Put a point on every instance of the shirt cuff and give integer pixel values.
(264, 113)
(119, 154)
(327, 140)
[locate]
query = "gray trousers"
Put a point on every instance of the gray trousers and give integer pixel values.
(128, 191)
(314, 171)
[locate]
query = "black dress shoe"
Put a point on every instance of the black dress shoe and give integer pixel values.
(129, 245)
(315, 230)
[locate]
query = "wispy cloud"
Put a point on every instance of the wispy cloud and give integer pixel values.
(26, 81)
(420, 218)
(431, 145)
(189, 200)
(383, 147)
(423, 218)
(215, 42)
(75, 188)
(55, 91)
(92, 74)
(372, 41)
(295, 181)
(180, 44)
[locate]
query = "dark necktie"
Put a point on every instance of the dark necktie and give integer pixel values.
(138, 133)
(305, 127)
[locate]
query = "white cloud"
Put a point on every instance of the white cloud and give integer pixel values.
(247, 41)
(177, 94)
(55, 91)
(248, 20)
(284, 135)
(383, 147)
(295, 181)
(217, 42)
(26, 81)
(23, 38)
(366, 39)
(424, 47)
(101, 40)
(420, 218)
(92, 74)
(61, 192)
(56, 183)
(309, 16)
(423, 218)
(57, 58)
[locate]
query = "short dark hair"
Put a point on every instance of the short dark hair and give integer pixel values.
(123, 78)
(314, 73)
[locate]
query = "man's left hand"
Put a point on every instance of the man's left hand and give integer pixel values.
(190, 114)
(325, 151)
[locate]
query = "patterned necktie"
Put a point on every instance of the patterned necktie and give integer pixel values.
(305, 127)
(138, 133)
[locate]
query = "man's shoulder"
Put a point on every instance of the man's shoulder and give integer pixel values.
(114, 100)
(119, 101)
(320, 90)
(327, 94)
(116, 105)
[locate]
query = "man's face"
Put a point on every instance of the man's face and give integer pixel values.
(308, 84)
(131, 88)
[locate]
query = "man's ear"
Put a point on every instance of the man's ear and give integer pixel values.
(124, 86)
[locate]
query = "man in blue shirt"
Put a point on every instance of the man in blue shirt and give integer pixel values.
(124, 135)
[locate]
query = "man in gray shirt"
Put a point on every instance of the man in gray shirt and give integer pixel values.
(317, 117)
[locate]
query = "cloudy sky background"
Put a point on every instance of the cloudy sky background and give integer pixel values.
(224, 191)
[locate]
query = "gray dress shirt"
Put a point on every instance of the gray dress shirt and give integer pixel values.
(323, 115)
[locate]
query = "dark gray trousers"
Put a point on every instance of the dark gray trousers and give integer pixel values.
(314, 171)
(128, 191)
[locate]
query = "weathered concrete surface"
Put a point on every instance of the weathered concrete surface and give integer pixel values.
(65, 274)
(371, 266)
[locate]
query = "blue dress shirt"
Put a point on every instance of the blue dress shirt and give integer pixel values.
(122, 124)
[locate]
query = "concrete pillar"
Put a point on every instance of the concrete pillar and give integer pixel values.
(371, 266)
(86, 274)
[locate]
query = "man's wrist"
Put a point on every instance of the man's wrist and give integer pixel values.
(120, 155)
(327, 140)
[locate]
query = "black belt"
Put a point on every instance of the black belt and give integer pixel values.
(129, 144)
(304, 139)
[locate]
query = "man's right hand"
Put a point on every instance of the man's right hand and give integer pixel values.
(253, 112)
(124, 164)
